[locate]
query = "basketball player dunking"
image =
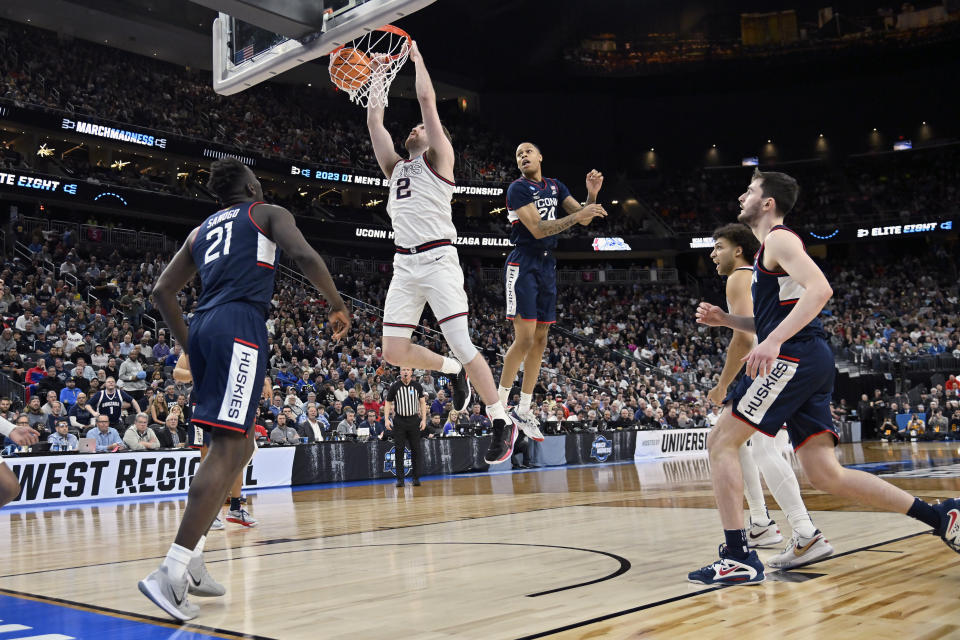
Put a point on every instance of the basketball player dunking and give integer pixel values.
(530, 274)
(789, 380)
(426, 269)
(733, 250)
(235, 253)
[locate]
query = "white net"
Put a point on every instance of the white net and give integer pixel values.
(365, 68)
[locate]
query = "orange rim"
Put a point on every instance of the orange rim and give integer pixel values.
(389, 28)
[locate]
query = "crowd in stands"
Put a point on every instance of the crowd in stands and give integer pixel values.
(272, 119)
(895, 311)
(900, 187)
(668, 52)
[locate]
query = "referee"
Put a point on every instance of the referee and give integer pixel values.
(405, 415)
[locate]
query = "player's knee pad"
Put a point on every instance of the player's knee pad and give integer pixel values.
(457, 335)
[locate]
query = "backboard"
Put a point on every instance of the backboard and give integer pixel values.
(260, 39)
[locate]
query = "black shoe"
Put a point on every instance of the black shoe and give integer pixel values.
(399, 483)
(461, 390)
(416, 482)
(501, 445)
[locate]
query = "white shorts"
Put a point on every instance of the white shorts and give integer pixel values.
(432, 277)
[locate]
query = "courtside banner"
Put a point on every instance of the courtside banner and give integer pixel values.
(669, 443)
(64, 478)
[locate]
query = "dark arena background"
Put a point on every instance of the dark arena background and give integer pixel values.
(109, 123)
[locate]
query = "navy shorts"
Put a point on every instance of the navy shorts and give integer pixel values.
(530, 278)
(197, 436)
(796, 393)
(228, 359)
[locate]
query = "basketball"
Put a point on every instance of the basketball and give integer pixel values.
(349, 68)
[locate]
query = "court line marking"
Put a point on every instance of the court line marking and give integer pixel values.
(651, 605)
(307, 539)
(135, 617)
(624, 567)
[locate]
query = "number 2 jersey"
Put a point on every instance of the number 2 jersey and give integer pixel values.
(235, 259)
(546, 196)
(419, 204)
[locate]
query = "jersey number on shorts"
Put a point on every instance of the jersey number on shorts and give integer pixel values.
(403, 188)
(217, 235)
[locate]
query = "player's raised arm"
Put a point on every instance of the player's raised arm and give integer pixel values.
(594, 182)
(387, 156)
(282, 229)
(171, 281)
(440, 154)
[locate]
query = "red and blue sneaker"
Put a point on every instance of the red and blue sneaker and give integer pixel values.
(949, 530)
(727, 570)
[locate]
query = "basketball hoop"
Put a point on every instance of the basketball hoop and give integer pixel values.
(365, 68)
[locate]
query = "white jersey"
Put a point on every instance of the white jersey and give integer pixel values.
(419, 204)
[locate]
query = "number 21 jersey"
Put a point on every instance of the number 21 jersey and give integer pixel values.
(419, 204)
(235, 259)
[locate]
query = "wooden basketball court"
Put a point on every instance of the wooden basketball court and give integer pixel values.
(580, 552)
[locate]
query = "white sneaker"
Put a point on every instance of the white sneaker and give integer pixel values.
(217, 524)
(241, 516)
(764, 535)
(801, 551)
(528, 423)
(170, 597)
(200, 582)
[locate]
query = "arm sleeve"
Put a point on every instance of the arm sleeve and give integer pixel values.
(518, 195)
(421, 393)
(391, 395)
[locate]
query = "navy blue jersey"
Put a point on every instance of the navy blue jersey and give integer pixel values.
(547, 197)
(235, 259)
(774, 294)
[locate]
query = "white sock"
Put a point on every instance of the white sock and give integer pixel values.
(176, 562)
(198, 550)
(451, 365)
(783, 484)
(496, 412)
(504, 394)
(525, 400)
(752, 488)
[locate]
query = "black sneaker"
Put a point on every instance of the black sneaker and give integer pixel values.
(501, 445)
(461, 390)
(399, 483)
(416, 482)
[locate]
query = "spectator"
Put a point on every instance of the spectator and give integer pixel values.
(111, 402)
(348, 426)
(159, 408)
(311, 428)
(80, 418)
(62, 439)
(172, 435)
(284, 433)
(140, 436)
(36, 418)
(106, 437)
(132, 376)
(69, 394)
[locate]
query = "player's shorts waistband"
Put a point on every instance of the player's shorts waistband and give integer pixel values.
(532, 252)
(426, 246)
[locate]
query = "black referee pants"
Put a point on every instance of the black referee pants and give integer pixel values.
(407, 429)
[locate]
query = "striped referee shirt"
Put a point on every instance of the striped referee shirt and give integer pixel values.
(405, 398)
